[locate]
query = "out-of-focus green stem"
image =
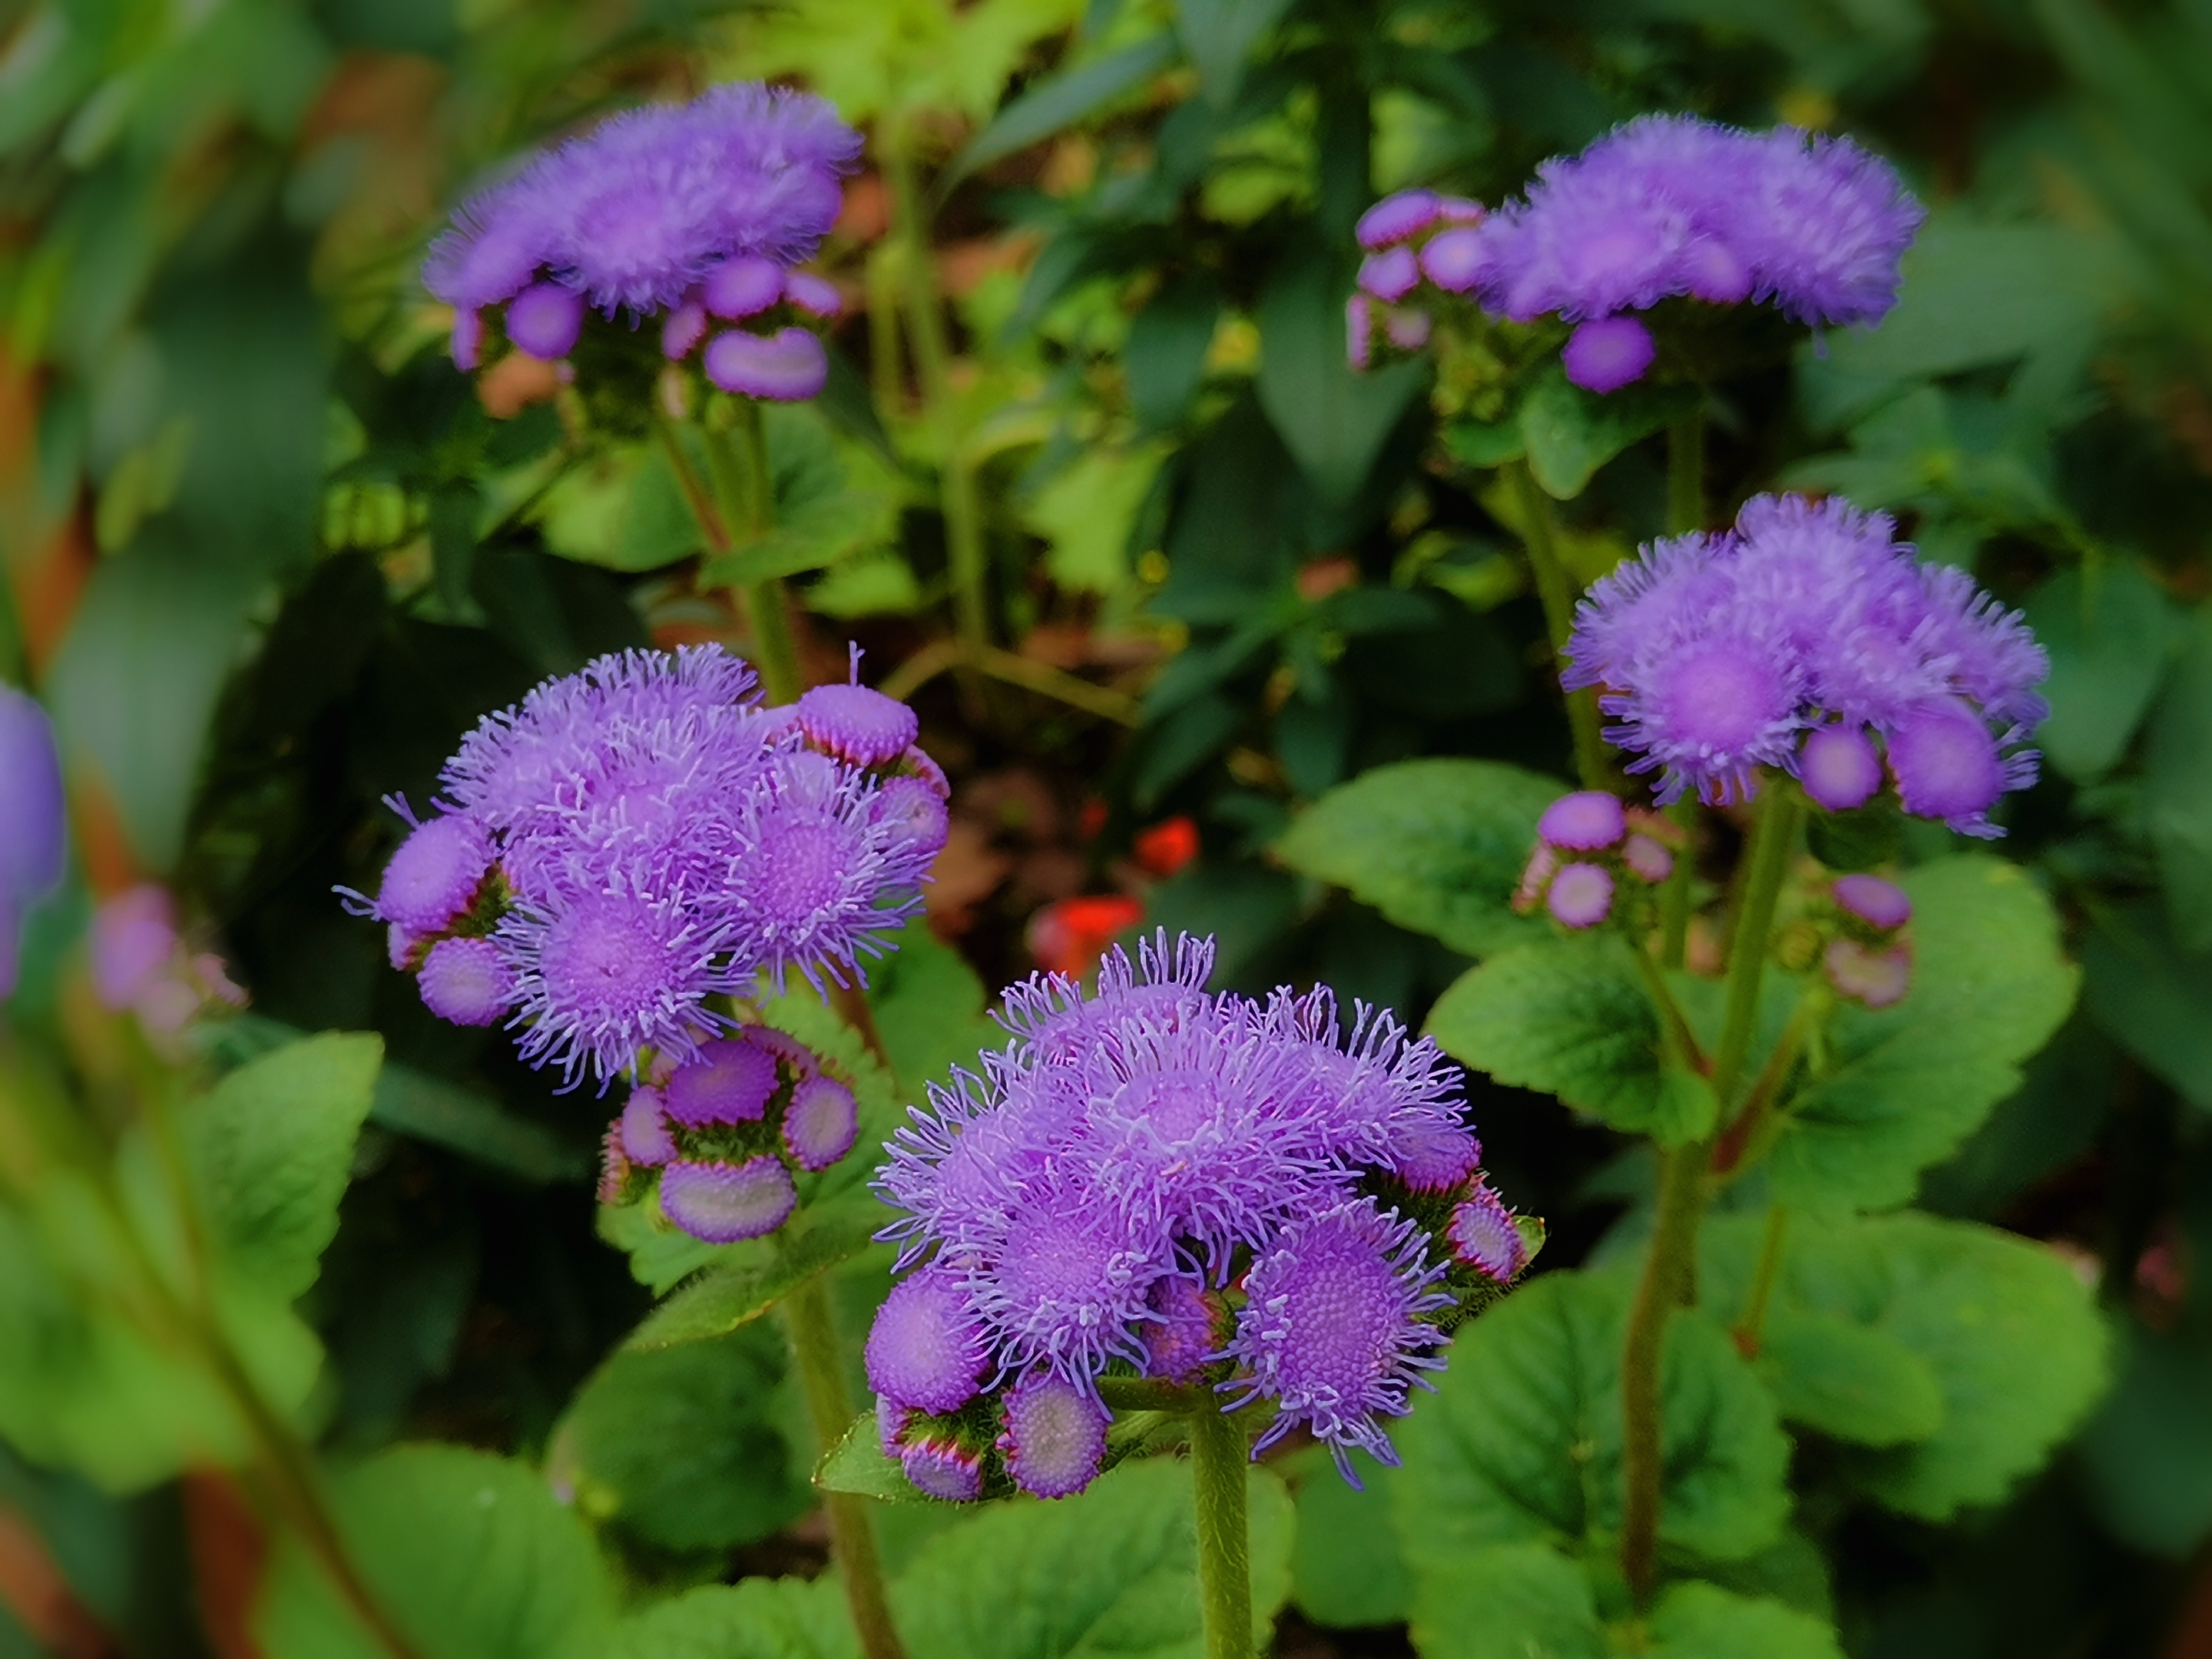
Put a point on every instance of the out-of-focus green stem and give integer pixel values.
(852, 1529)
(1668, 1271)
(1674, 896)
(745, 494)
(1219, 1454)
(932, 366)
(1556, 589)
(1748, 1329)
(1686, 511)
(1774, 833)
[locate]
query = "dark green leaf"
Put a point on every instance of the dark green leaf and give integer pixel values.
(857, 1464)
(928, 1005)
(1219, 34)
(1437, 845)
(1165, 357)
(1850, 1381)
(2108, 631)
(728, 1296)
(2148, 1452)
(2178, 791)
(476, 1125)
(1049, 105)
(2152, 998)
(1570, 433)
(1508, 1601)
(1521, 1443)
(1908, 1084)
(1331, 418)
(1346, 1569)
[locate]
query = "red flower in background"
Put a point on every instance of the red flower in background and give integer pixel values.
(1166, 847)
(1069, 937)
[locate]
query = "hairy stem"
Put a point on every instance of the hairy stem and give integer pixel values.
(1219, 1455)
(1752, 1325)
(852, 1531)
(933, 360)
(1667, 1274)
(1556, 589)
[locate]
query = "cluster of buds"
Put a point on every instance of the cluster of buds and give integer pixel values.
(1414, 235)
(717, 1138)
(1156, 1186)
(1587, 843)
(1867, 957)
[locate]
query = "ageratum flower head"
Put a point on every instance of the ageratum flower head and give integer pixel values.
(1155, 1180)
(636, 844)
(1668, 207)
(689, 212)
(1809, 640)
(32, 827)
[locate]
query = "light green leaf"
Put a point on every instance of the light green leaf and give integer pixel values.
(621, 508)
(1062, 100)
(679, 1446)
(1570, 433)
(1522, 1442)
(833, 500)
(1704, 1621)
(858, 1464)
(468, 1554)
(1437, 845)
(753, 1619)
(1084, 514)
(733, 1294)
(1908, 1084)
(271, 1147)
(928, 1005)
(1850, 1381)
(2109, 633)
(1570, 1016)
(1508, 1601)
(1346, 1570)
(1113, 1571)
(880, 583)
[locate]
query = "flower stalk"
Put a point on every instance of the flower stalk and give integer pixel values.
(1557, 590)
(1219, 1455)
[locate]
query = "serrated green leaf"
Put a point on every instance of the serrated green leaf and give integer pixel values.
(1437, 845)
(1704, 1621)
(1850, 1381)
(929, 1009)
(1570, 433)
(1908, 1084)
(620, 510)
(1570, 1016)
(2109, 633)
(1060, 101)
(679, 1446)
(1112, 1572)
(858, 1464)
(1333, 419)
(753, 1619)
(1522, 1442)
(731, 1294)
(271, 1149)
(467, 1553)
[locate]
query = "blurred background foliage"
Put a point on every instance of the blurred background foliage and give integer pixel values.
(1094, 487)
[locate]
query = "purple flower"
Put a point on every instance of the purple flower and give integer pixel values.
(1396, 218)
(544, 319)
(435, 875)
(467, 981)
(1877, 976)
(1585, 822)
(722, 1203)
(1392, 275)
(913, 813)
(1358, 331)
(1457, 260)
(943, 1469)
(925, 1350)
(1796, 640)
(1181, 1331)
(134, 938)
(821, 1123)
(730, 1081)
(643, 1129)
(789, 366)
(1648, 857)
(1580, 895)
(32, 822)
(1484, 1236)
(1608, 353)
(1881, 905)
(858, 726)
(1056, 1436)
(1333, 1329)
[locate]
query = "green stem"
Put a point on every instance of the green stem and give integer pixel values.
(1219, 1456)
(1556, 589)
(852, 1532)
(1669, 1272)
(932, 359)
(744, 490)
(1686, 473)
(1674, 896)
(1773, 835)
(1748, 1329)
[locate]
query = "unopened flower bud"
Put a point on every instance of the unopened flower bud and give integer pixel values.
(1876, 977)
(1580, 895)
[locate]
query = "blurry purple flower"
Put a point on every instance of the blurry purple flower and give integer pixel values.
(1650, 858)
(1877, 976)
(1839, 767)
(545, 320)
(1580, 895)
(788, 365)
(134, 942)
(1391, 275)
(1608, 353)
(32, 823)
(1881, 904)
(643, 1127)
(1394, 218)
(745, 286)
(1584, 822)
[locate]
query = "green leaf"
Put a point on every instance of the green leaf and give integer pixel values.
(1570, 433)
(929, 1010)
(1437, 845)
(468, 1554)
(1508, 1601)
(1484, 445)
(1346, 1569)
(1704, 1621)
(1521, 1443)
(680, 1446)
(2008, 1333)
(621, 508)
(1570, 1016)
(2109, 632)
(1113, 1571)
(731, 1294)
(2153, 999)
(753, 1619)
(1164, 357)
(2178, 790)
(428, 1109)
(858, 1464)
(1331, 418)
(1049, 105)
(1849, 1381)
(1219, 34)
(1907, 1085)
(833, 500)
(2148, 1452)
(271, 1147)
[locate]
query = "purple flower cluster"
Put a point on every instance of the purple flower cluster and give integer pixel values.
(640, 843)
(694, 212)
(1667, 206)
(720, 1136)
(1869, 959)
(33, 825)
(1586, 844)
(1808, 639)
(1157, 1181)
